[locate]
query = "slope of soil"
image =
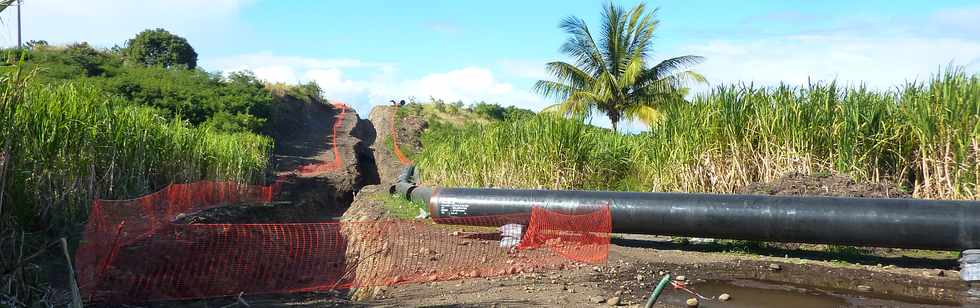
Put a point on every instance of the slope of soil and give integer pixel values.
(331, 138)
(826, 185)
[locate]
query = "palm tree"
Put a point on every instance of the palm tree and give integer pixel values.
(611, 75)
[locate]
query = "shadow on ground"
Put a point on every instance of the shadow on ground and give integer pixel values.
(759, 248)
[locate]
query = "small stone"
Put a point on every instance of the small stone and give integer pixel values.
(864, 288)
(596, 269)
(570, 290)
(724, 297)
(775, 267)
(692, 302)
(639, 277)
(614, 301)
(596, 299)
(680, 278)
(618, 293)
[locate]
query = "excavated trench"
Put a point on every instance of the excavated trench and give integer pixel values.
(306, 135)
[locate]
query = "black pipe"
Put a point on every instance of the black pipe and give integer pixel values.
(898, 223)
(406, 188)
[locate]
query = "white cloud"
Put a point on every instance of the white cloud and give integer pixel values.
(880, 62)
(530, 69)
(364, 84)
(463, 84)
(110, 22)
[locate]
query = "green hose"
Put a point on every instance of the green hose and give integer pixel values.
(657, 290)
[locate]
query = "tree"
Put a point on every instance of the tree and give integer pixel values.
(611, 75)
(160, 48)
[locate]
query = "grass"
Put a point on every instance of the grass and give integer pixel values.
(446, 113)
(409, 153)
(436, 110)
(67, 144)
(926, 136)
(398, 207)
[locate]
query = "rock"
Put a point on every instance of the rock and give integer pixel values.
(724, 297)
(596, 299)
(680, 278)
(933, 273)
(692, 302)
(570, 290)
(775, 267)
(614, 301)
(639, 277)
(618, 293)
(864, 288)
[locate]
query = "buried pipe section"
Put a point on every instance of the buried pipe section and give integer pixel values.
(875, 222)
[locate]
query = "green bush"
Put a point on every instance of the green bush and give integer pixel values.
(496, 112)
(158, 47)
(236, 103)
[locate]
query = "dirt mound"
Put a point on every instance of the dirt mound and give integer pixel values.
(408, 130)
(798, 184)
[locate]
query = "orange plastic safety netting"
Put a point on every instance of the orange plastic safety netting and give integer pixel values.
(181, 261)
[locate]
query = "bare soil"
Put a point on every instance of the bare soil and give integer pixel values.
(798, 184)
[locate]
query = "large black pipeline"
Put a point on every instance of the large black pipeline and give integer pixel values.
(897, 223)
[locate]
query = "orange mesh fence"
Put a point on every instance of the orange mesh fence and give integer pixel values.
(184, 261)
(117, 223)
(336, 161)
(580, 237)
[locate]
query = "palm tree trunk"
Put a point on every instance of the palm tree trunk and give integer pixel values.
(614, 117)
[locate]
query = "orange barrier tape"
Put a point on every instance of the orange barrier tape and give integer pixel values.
(394, 140)
(336, 163)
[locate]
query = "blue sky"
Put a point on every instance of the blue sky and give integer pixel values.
(366, 52)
